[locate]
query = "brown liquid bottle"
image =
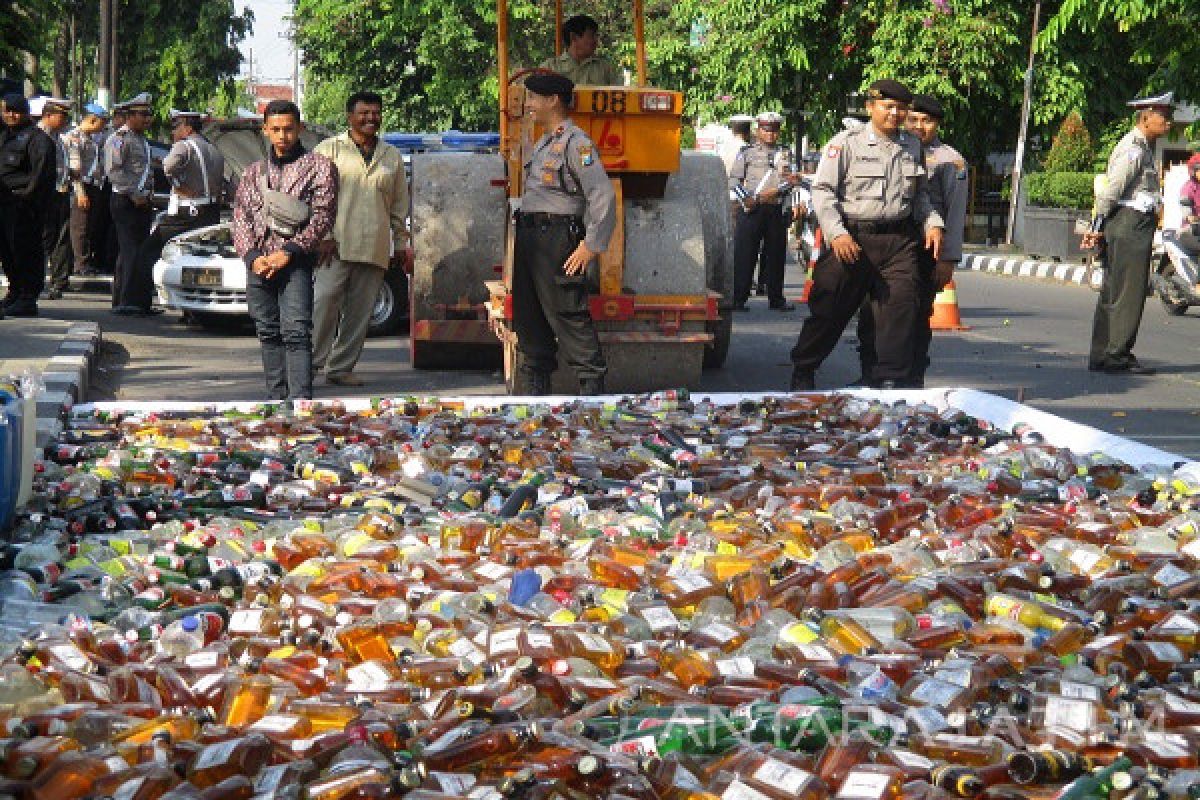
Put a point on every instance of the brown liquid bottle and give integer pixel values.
(73, 775)
(242, 756)
(495, 741)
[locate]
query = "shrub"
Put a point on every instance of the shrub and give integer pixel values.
(1060, 189)
(1072, 149)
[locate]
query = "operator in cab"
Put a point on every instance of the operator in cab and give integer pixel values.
(567, 217)
(579, 61)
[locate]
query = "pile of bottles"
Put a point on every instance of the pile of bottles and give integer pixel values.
(662, 598)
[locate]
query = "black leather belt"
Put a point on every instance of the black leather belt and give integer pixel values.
(530, 219)
(895, 226)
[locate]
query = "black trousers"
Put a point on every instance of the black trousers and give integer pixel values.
(922, 333)
(21, 249)
(763, 227)
(87, 227)
(1128, 238)
(56, 238)
(170, 226)
(132, 285)
(885, 275)
(550, 309)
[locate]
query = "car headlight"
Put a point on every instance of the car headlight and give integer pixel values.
(171, 252)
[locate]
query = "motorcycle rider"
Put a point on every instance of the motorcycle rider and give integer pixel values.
(1189, 231)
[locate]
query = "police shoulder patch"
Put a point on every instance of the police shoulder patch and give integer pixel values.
(960, 167)
(586, 155)
(833, 151)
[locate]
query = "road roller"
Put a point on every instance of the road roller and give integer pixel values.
(663, 305)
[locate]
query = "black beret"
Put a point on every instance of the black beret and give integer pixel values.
(889, 88)
(16, 103)
(927, 104)
(548, 84)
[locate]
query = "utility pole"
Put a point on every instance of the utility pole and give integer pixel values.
(1020, 155)
(103, 89)
(114, 67)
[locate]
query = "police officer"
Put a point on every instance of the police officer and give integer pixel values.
(567, 216)
(26, 181)
(196, 170)
(758, 182)
(1126, 215)
(84, 160)
(871, 198)
(947, 173)
(54, 113)
(127, 164)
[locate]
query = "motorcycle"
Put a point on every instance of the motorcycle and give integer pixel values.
(1175, 277)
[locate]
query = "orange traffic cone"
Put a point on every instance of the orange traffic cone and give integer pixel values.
(945, 316)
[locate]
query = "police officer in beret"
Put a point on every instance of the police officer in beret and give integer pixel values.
(759, 180)
(1127, 207)
(566, 219)
(196, 171)
(27, 170)
(127, 163)
(948, 193)
(871, 198)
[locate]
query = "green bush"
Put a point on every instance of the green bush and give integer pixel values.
(1072, 149)
(1060, 189)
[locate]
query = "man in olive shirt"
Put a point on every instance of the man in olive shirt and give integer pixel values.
(1126, 215)
(370, 236)
(579, 61)
(871, 198)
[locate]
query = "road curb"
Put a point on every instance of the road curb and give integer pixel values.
(1018, 267)
(66, 377)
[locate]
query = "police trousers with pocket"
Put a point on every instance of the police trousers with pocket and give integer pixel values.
(550, 308)
(922, 333)
(763, 227)
(21, 249)
(132, 286)
(886, 276)
(1128, 239)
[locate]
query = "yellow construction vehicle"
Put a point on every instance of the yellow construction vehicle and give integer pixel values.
(665, 282)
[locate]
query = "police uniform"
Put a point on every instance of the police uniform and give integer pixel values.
(26, 180)
(196, 171)
(567, 199)
(86, 163)
(1127, 213)
(592, 71)
(56, 238)
(127, 165)
(947, 171)
(759, 168)
(873, 188)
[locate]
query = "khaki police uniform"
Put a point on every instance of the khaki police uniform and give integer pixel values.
(196, 170)
(948, 195)
(567, 198)
(592, 71)
(756, 169)
(874, 188)
(127, 165)
(1128, 205)
(27, 172)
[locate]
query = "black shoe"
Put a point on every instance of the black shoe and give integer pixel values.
(803, 380)
(740, 307)
(125, 311)
(87, 273)
(52, 294)
(146, 312)
(784, 306)
(1130, 368)
(761, 290)
(22, 308)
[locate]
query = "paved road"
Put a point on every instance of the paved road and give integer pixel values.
(1027, 341)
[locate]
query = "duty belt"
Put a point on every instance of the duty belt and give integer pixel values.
(895, 226)
(531, 219)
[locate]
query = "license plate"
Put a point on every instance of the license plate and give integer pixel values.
(195, 276)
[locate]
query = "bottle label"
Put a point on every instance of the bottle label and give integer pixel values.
(736, 667)
(505, 641)
(454, 782)
(1170, 575)
(539, 640)
(937, 693)
(864, 785)
(638, 746)
(129, 789)
(1168, 745)
(492, 571)
(1178, 623)
(466, 649)
(959, 677)
(927, 718)
(594, 643)
(908, 758)
(720, 632)
(246, 621)
(215, 755)
(276, 723)
(692, 583)
(1174, 702)
(816, 652)
(740, 791)
(72, 656)
(203, 659)
(1071, 713)
(1165, 651)
(270, 779)
(1085, 559)
(882, 719)
(781, 775)
(1082, 691)
(367, 676)
(659, 618)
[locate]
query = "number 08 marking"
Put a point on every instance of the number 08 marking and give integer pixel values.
(604, 102)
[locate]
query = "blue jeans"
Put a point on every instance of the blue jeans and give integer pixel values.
(282, 311)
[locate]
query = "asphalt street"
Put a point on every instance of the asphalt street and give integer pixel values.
(1027, 341)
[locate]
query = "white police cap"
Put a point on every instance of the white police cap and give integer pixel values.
(1165, 100)
(769, 118)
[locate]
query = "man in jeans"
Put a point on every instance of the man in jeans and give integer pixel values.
(278, 239)
(369, 237)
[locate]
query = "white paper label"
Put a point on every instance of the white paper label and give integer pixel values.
(638, 746)
(72, 656)
(816, 652)
(882, 719)
(1176, 703)
(1083, 691)
(1068, 712)
(692, 582)
(910, 759)
(1170, 745)
(865, 785)
(1084, 559)
(594, 643)
(247, 620)
(275, 723)
(659, 618)
(720, 632)
(959, 677)
(204, 659)
(1178, 623)
(454, 782)
(781, 775)
(736, 667)
(130, 788)
(740, 791)
(270, 779)
(1170, 575)
(1165, 651)
(927, 718)
(596, 683)
(935, 692)
(367, 676)
(215, 754)
(539, 640)
(492, 571)
(505, 641)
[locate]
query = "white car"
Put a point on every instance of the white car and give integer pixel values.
(199, 273)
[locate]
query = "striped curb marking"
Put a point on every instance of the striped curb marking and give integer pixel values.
(1080, 274)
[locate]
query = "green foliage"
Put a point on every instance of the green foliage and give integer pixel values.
(1060, 189)
(1072, 149)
